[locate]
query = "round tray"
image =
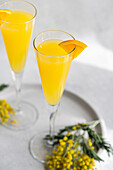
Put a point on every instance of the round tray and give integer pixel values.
(72, 110)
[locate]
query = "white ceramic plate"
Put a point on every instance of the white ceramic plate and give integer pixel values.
(72, 110)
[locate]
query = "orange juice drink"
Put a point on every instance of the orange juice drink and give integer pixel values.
(54, 50)
(16, 31)
(53, 69)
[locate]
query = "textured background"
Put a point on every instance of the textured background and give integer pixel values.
(88, 21)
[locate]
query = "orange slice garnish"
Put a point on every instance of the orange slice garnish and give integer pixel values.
(4, 13)
(73, 45)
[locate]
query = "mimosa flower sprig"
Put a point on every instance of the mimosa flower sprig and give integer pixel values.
(75, 147)
(5, 112)
(5, 109)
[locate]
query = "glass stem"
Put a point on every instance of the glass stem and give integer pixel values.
(53, 111)
(17, 77)
(18, 100)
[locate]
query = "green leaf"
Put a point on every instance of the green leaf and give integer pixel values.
(87, 150)
(3, 86)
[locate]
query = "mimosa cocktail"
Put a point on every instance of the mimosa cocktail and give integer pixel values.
(53, 71)
(54, 64)
(17, 38)
(16, 23)
(54, 51)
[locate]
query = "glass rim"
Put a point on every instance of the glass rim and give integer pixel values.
(20, 1)
(48, 55)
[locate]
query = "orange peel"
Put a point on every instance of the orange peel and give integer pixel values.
(4, 13)
(73, 45)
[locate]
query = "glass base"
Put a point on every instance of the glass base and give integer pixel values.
(25, 118)
(39, 147)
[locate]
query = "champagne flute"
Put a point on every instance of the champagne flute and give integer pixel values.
(54, 64)
(16, 31)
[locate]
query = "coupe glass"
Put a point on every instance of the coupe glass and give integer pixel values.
(53, 72)
(17, 35)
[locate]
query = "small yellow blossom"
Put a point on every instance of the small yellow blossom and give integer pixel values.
(78, 152)
(74, 128)
(60, 140)
(80, 160)
(68, 134)
(65, 138)
(62, 143)
(47, 156)
(72, 152)
(70, 141)
(93, 147)
(14, 121)
(84, 167)
(89, 140)
(90, 143)
(75, 155)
